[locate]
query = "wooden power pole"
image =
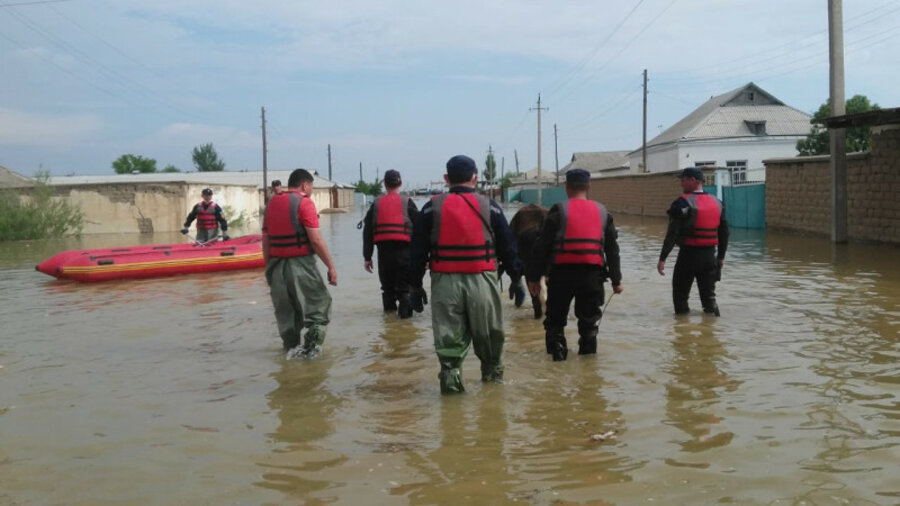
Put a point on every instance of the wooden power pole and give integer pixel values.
(539, 172)
(265, 162)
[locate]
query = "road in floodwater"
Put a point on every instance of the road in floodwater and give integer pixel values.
(175, 391)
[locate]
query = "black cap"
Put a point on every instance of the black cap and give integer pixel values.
(276, 182)
(578, 176)
(461, 167)
(392, 177)
(693, 172)
(206, 191)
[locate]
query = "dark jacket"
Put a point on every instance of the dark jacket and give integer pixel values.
(369, 228)
(678, 219)
(420, 247)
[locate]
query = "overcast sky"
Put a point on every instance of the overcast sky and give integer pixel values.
(401, 84)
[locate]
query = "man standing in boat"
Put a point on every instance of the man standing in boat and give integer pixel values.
(209, 217)
(389, 225)
(291, 242)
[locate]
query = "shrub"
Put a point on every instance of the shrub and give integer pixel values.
(39, 217)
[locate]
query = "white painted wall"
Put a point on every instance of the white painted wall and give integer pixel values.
(752, 149)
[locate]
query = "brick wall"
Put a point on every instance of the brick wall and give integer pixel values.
(798, 192)
(641, 194)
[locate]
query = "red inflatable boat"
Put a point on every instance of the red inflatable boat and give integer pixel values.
(151, 261)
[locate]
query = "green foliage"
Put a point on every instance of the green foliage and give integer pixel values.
(127, 164)
(171, 168)
(206, 159)
(38, 217)
(374, 189)
(235, 220)
(819, 141)
(490, 169)
(506, 182)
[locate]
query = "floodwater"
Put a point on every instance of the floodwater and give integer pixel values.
(175, 390)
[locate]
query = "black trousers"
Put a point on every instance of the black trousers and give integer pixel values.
(695, 263)
(393, 262)
(584, 283)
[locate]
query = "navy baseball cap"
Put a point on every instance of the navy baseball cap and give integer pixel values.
(578, 176)
(392, 176)
(461, 166)
(206, 191)
(693, 172)
(276, 182)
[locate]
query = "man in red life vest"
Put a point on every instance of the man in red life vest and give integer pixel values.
(697, 224)
(388, 225)
(209, 217)
(578, 242)
(291, 242)
(463, 235)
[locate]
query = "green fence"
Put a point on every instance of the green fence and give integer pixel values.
(745, 205)
(549, 196)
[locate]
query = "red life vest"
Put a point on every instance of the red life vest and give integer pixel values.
(287, 236)
(460, 239)
(705, 215)
(579, 239)
(392, 222)
(206, 216)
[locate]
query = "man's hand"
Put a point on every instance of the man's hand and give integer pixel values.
(368, 266)
(419, 299)
(534, 288)
(661, 267)
(332, 276)
(225, 237)
(185, 231)
(618, 288)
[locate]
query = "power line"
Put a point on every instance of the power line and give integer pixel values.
(566, 79)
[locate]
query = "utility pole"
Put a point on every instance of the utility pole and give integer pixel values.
(265, 163)
(516, 152)
(490, 153)
(502, 175)
(556, 152)
(329, 162)
(539, 172)
(360, 171)
(644, 145)
(838, 135)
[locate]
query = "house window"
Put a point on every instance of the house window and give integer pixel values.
(756, 127)
(738, 171)
(705, 164)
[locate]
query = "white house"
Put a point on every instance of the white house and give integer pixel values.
(736, 130)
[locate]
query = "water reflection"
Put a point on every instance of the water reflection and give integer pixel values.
(693, 395)
(305, 410)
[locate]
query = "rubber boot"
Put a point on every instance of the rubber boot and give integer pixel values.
(312, 342)
(587, 339)
(492, 372)
(389, 301)
(555, 339)
(451, 381)
(404, 308)
(712, 311)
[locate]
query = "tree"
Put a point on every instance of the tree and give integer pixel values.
(819, 141)
(373, 189)
(128, 164)
(490, 169)
(206, 159)
(171, 168)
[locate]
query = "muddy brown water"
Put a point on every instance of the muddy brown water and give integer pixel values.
(174, 390)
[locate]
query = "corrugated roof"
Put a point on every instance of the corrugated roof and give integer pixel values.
(597, 161)
(726, 115)
(249, 178)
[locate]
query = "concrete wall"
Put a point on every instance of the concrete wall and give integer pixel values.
(641, 194)
(146, 207)
(798, 194)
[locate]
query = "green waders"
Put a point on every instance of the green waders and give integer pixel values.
(465, 308)
(207, 234)
(301, 299)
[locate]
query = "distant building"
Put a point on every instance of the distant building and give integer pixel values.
(736, 130)
(599, 163)
(11, 179)
(529, 179)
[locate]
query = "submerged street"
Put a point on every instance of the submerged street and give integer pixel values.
(175, 390)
